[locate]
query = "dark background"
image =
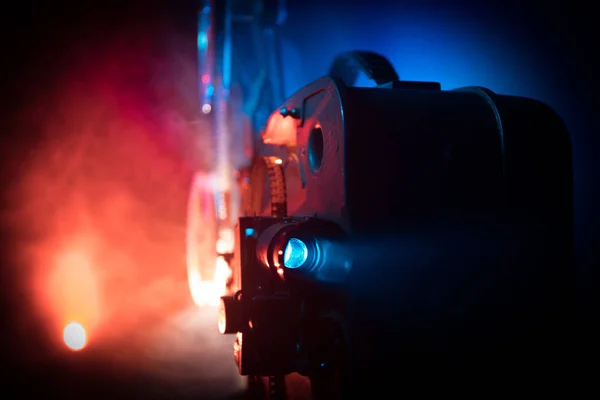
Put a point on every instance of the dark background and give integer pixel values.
(544, 50)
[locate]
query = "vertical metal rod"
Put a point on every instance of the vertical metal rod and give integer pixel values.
(206, 53)
(222, 127)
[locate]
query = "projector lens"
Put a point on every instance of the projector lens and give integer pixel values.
(295, 254)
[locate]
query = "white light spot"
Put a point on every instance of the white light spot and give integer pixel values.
(74, 336)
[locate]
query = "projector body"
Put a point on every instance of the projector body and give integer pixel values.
(441, 230)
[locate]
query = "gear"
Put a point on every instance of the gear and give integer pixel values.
(259, 201)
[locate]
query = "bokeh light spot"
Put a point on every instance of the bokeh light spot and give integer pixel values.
(75, 336)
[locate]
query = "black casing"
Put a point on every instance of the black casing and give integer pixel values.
(462, 201)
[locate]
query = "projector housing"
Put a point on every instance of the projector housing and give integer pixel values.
(455, 208)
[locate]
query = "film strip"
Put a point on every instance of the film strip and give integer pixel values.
(270, 168)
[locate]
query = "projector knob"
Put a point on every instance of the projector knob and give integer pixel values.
(230, 315)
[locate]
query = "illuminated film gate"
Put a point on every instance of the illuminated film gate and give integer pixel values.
(391, 231)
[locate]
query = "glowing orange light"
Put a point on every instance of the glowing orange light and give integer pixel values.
(280, 131)
(75, 336)
(208, 273)
(71, 291)
(209, 292)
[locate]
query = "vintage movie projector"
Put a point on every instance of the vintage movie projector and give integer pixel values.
(401, 232)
